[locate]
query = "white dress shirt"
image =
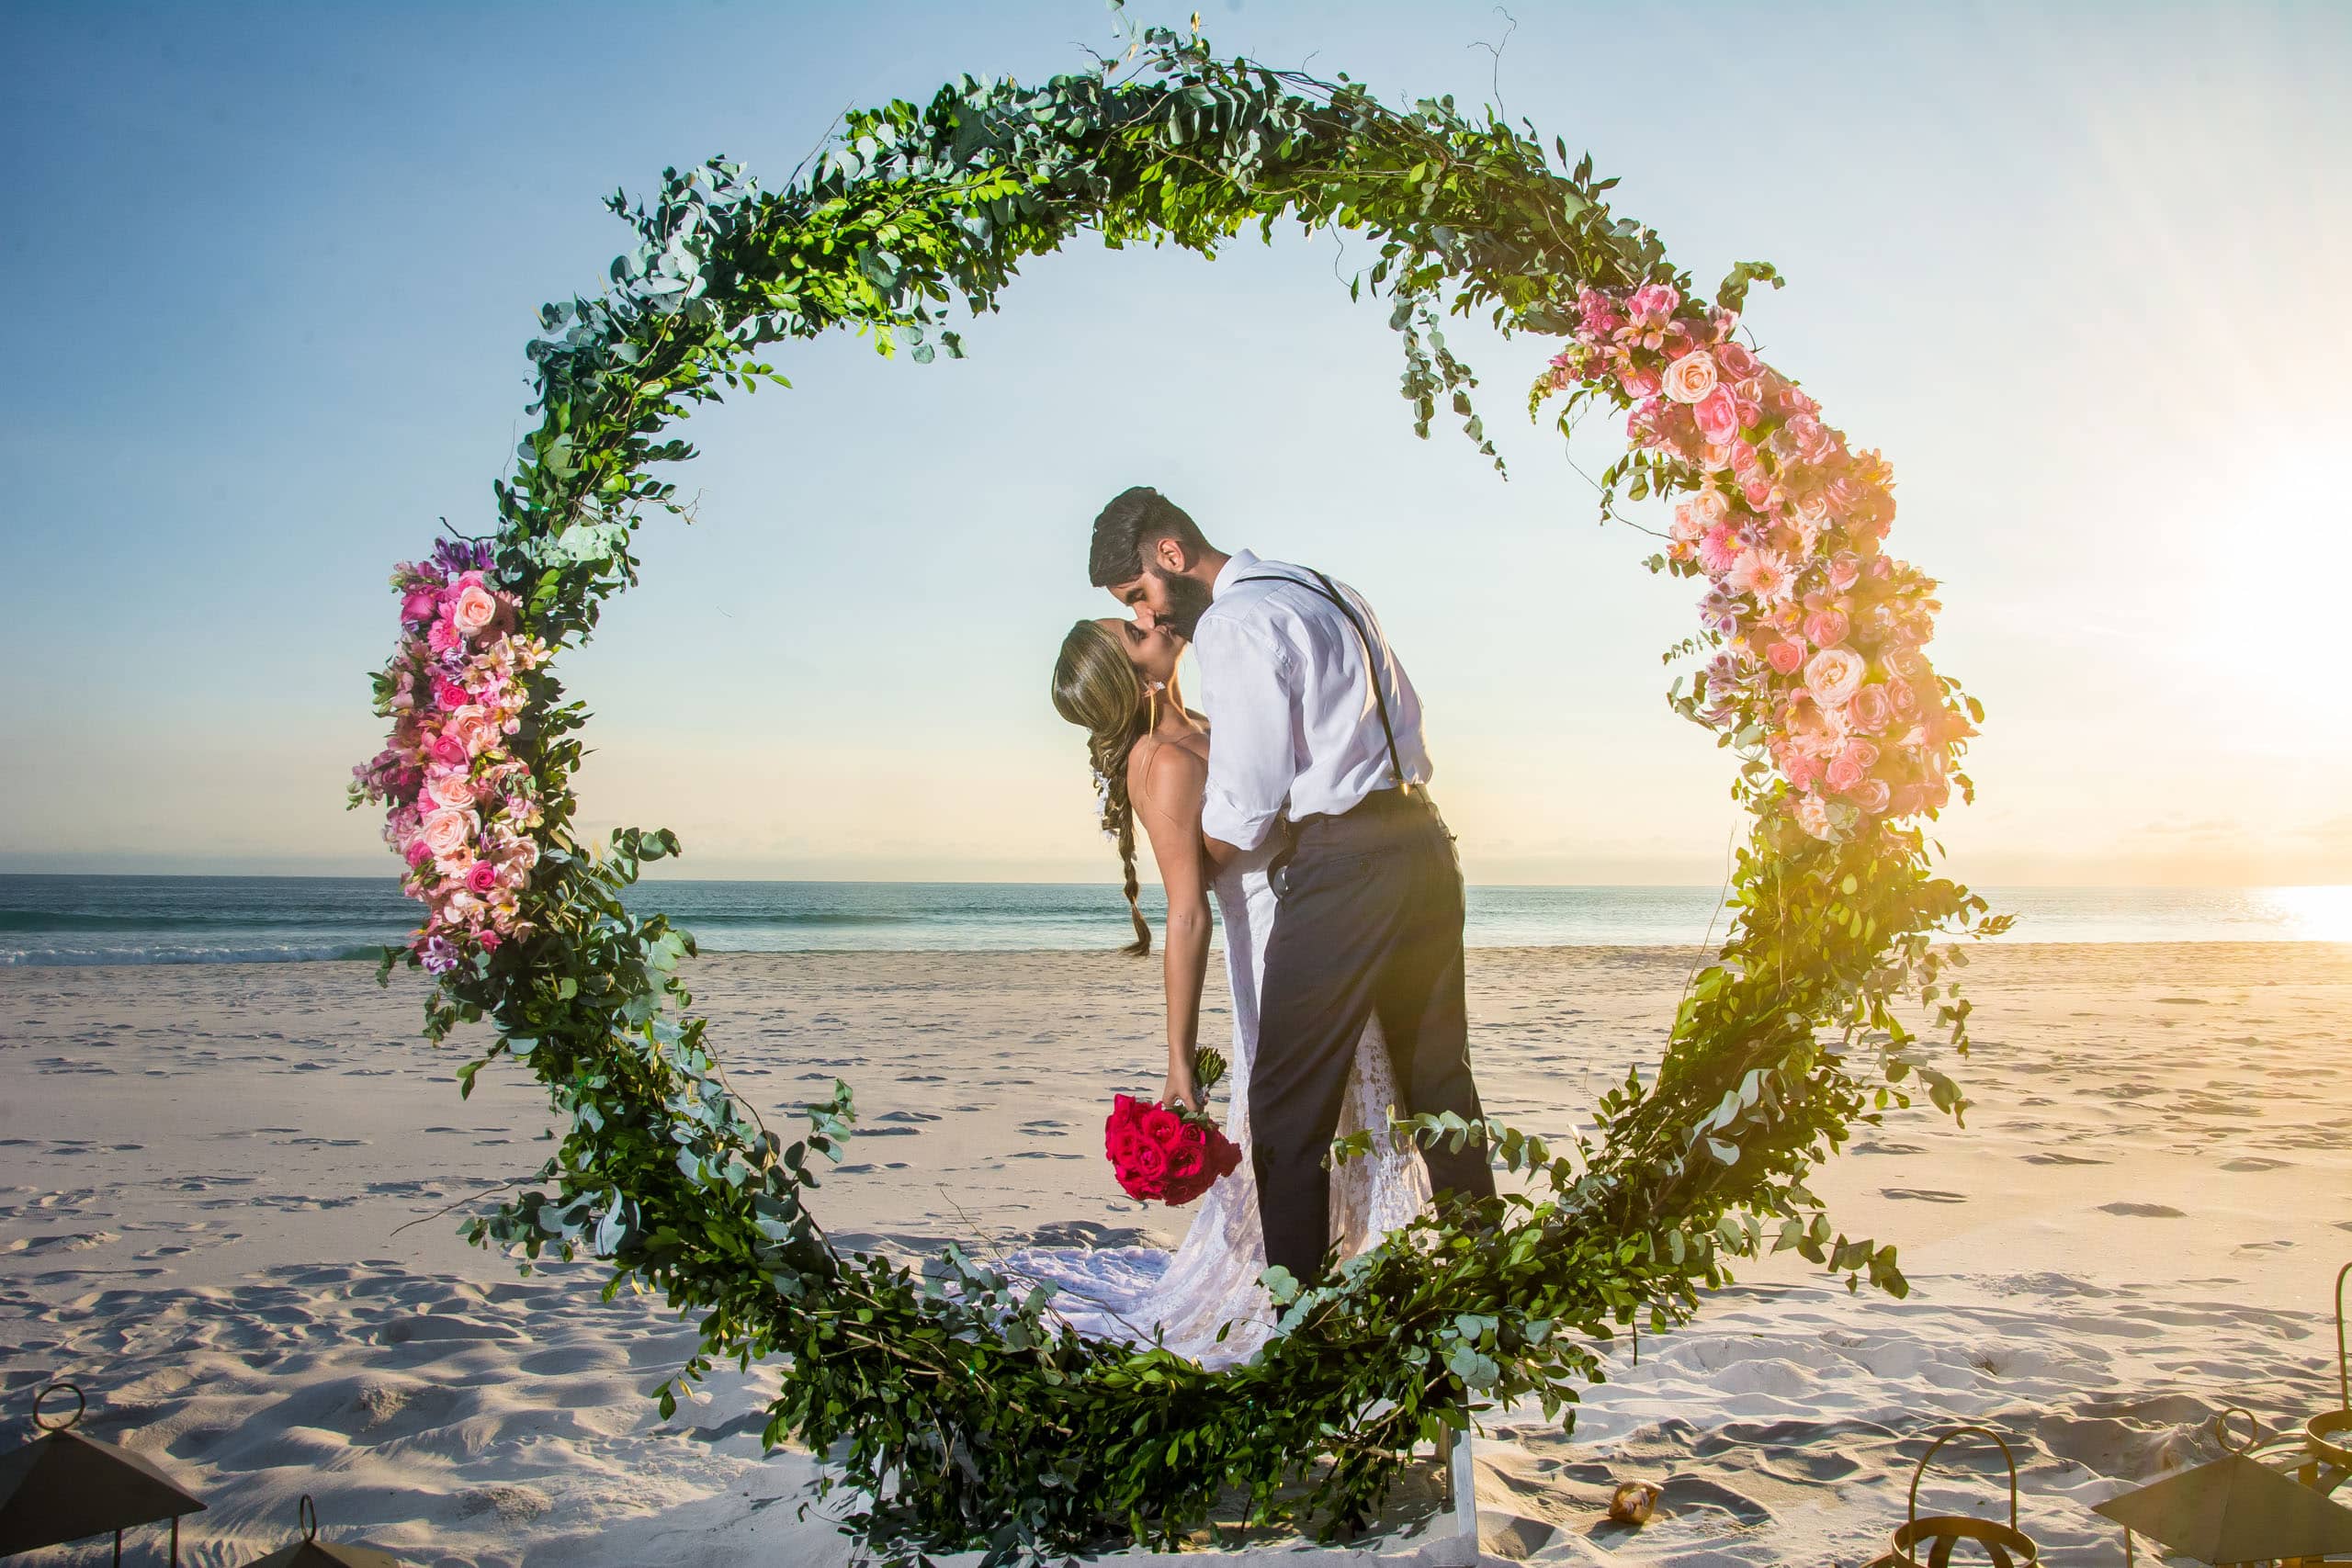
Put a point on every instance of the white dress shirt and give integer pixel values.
(1294, 729)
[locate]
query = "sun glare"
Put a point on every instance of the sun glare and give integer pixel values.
(2314, 914)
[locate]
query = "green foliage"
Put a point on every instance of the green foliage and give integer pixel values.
(956, 1409)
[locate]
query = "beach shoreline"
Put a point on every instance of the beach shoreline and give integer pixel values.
(221, 1186)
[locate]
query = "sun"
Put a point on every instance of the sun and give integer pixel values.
(2314, 914)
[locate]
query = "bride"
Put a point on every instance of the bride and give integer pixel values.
(1117, 681)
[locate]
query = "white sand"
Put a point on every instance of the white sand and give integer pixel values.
(205, 1171)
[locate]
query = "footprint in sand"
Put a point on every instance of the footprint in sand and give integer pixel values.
(1923, 1194)
(80, 1242)
(2144, 1211)
(2255, 1162)
(2052, 1157)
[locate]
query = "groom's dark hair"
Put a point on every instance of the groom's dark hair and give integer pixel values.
(1136, 520)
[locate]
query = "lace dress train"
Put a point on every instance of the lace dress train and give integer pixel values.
(1203, 1300)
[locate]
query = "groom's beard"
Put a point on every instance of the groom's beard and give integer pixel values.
(1187, 602)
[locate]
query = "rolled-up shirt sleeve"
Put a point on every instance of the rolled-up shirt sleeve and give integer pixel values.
(1252, 695)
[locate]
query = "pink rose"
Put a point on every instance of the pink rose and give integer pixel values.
(417, 853)
(1845, 570)
(452, 791)
(1786, 657)
(473, 609)
(1827, 629)
(1902, 699)
(1872, 795)
(1864, 755)
(1736, 362)
(447, 750)
(1869, 709)
(473, 729)
(418, 606)
(1718, 417)
(1844, 772)
(1799, 768)
(1691, 377)
(1653, 304)
(447, 694)
(483, 877)
(1639, 381)
(1832, 675)
(1813, 441)
(447, 831)
(1757, 486)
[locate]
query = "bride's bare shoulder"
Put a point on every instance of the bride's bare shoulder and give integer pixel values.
(1165, 773)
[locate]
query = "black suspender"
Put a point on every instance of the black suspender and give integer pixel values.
(1371, 659)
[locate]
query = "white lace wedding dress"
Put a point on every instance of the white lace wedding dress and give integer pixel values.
(1185, 1299)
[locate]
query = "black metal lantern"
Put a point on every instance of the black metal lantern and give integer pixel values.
(62, 1487)
(2234, 1509)
(311, 1552)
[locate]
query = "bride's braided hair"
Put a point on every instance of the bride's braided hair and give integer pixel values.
(1096, 689)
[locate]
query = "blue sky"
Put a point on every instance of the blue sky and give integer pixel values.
(2078, 269)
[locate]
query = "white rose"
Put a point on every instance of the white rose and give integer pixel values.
(1691, 377)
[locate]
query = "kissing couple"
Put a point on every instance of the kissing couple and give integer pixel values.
(1298, 800)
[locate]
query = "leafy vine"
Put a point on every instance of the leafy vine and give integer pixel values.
(956, 1407)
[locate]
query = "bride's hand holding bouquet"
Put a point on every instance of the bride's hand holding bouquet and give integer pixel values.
(1171, 1152)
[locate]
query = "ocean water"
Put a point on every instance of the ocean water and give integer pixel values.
(216, 919)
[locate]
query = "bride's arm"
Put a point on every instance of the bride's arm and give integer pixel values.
(1166, 789)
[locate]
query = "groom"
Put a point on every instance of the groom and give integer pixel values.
(1318, 744)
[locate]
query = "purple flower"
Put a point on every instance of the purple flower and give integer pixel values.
(456, 555)
(439, 955)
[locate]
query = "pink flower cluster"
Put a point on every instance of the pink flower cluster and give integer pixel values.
(1819, 633)
(461, 806)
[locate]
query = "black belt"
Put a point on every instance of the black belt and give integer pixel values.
(1379, 803)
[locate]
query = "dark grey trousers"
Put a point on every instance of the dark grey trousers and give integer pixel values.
(1367, 922)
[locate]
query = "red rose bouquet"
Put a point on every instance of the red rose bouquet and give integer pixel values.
(1172, 1156)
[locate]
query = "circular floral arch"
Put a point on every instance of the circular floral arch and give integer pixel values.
(961, 1412)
